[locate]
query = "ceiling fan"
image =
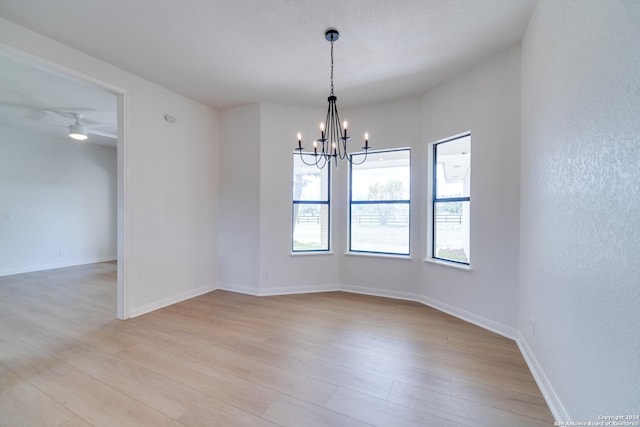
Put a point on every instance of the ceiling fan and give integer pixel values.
(76, 130)
(75, 120)
(80, 131)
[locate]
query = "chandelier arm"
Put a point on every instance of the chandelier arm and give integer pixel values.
(332, 143)
(342, 148)
(321, 149)
(335, 132)
(328, 130)
(330, 126)
(303, 161)
(350, 159)
(321, 160)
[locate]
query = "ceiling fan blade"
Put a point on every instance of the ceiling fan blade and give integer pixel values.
(30, 112)
(102, 133)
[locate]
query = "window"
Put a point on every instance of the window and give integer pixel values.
(379, 202)
(451, 199)
(310, 205)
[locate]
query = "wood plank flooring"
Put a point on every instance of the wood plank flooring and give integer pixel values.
(225, 359)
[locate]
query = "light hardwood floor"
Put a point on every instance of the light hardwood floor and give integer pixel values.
(225, 359)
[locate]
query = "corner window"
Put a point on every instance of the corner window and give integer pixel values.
(311, 216)
(451, 177)
(379, 202)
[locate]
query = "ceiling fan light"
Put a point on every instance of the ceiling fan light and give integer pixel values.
(77, 132)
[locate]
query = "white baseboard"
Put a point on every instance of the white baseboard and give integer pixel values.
(480, 321)
(550, 396)
(173, 299)
(42, 267)
(467, 316)
(277, 290)
(558, 410)
(291, 290)
(378, 292)
(556, 407)
(483, 322)
(241, 289)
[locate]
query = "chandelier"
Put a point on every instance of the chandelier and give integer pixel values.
(332, 143)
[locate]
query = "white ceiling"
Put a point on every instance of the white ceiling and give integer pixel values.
(231, 52)
(42, 100)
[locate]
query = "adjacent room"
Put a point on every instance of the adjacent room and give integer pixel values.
(337, 213)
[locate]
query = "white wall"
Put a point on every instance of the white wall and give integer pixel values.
(485, 100)
(255, 205)
(55, 195)
(281, 272)
(580, 203)
(579, 233)
(238, 241)
(394, 124)
(169, 248)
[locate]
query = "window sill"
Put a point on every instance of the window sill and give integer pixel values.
(306, 253)
(448, 264)
(378, 255)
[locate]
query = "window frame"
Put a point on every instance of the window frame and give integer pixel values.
(351, 202)
(431, 256)
(295, 202)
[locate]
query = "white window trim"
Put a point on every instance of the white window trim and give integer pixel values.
(429, 258)
(378, 255)
(411, 202)
(450, 264)
(327, 251)
(307, 253)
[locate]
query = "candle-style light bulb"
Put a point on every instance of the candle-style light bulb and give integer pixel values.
(344, 125)
(299, 141)
(322, 130)
(366, 140)
(315, 147)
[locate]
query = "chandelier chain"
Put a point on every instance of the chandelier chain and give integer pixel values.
(331, 67)
(332, 144)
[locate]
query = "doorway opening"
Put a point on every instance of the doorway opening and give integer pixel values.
(63, 200)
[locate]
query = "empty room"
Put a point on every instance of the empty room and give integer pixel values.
(319, 213)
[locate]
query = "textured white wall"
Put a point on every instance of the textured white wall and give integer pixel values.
(170, 174)
(55, 195)
(580, 203)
